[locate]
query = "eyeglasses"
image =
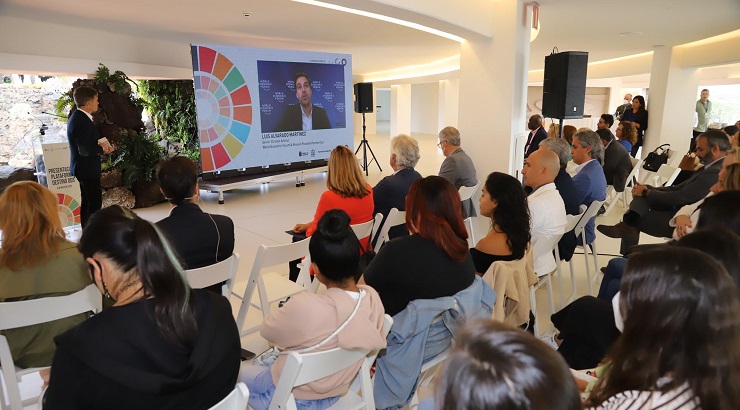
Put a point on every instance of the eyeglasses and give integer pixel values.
(439, 144)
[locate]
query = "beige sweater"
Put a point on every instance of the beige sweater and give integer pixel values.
(307, 319)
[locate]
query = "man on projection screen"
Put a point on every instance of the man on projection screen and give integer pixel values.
(304, 115)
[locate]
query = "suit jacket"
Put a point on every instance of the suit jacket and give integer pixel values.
(292, 119)
(390, 193)
(539, 136)
(195, 238)
(590, 186)
(617, 165)
(84, 151)
(567, 189)
(687, 192)
(458, 168)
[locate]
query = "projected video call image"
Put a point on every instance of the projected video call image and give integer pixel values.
(301, 96)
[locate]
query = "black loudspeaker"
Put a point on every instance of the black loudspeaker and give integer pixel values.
(363, 97)
(564, 89)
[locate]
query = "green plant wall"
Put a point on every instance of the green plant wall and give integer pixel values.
(171, 104)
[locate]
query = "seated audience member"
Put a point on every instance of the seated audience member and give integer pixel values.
(567, 190)
(605, 122)
(568, 131)
(626, 135)
(495, 366)
(553, 131)
(733, 132)
(537, 133)
(346, 190)
(586, 326)
(307, 322)
(652, 207)
(686, 217)
(546, 208)
(503, 200)
(617, 162)
(201, 239)
(434, 260)
(162, 345)
(36, 261)
(677, 311)
(391, 191)
(588, 154)
(457, 167)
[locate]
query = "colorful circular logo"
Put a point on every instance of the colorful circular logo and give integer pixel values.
(68, 209)
(224, 108)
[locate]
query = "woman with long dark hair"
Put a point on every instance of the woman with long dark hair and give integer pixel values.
(36, 261)
(434, 260)
(162, 345)
(679, 313)
(503, 200)
(638, 116)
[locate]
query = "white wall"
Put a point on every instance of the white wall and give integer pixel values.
(424, 108)
(383, 104)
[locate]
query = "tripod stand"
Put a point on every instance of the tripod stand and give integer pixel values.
(366, 146)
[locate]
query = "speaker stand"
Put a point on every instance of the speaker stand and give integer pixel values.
(561, 128)
(364, 145)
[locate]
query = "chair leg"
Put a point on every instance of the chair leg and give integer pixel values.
(588, 269)
(596, 264)
(549, 294)
(560, 277)
(533, 305)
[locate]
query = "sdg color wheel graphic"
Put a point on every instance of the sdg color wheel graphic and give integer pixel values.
(68, 209)
(224, 108)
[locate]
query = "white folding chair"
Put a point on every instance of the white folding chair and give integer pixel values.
(268, 285)
(580, 229)
(543, 246)
(636, 165)
(236, 400)
(468, 192)
(429, 369)
(665, 176)
(395, 218)
(471, 231)
(223, 271)
(32, 312)
(304, 368)
(572, 221)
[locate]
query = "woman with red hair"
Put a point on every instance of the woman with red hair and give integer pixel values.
(434, 261)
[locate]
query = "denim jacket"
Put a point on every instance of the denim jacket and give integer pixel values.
(413, 339)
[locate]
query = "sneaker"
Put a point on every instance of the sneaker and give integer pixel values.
(620, 230)
(550, 340)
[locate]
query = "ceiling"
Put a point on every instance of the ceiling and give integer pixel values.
(583, 25)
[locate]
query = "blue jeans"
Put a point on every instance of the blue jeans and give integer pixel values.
(612, 279)
(261, 389)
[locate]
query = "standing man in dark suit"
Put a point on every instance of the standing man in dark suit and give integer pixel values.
(653, 207)
(617, 162)
(85, 147)
(199, 238)
(391, 191)
(536, 134)
(304, 115)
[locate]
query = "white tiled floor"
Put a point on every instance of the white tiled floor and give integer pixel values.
(262, 213)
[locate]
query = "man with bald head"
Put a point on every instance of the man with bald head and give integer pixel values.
(622, 108)
(546, 207)
(536, 135)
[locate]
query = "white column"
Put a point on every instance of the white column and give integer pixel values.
(493, 90)
(449, 102)
(400, 109)
(672, 101)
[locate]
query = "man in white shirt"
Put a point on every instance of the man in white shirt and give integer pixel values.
(546, 207)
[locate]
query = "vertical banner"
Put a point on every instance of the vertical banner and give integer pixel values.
(64, 186)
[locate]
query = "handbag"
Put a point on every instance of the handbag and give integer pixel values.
(658, 157)
(688, 162)
(268, 357)
(365, 258)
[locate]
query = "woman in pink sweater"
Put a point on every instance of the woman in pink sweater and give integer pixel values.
(308, 319)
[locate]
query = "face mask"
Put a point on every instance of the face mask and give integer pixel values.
(618, 320)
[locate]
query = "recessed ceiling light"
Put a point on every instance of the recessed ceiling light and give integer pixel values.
(630, 33)
(246, 14)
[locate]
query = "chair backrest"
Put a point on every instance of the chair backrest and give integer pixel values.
(223, 271)
(365, 229)
(395, 218)
(467, 192)
(636, 166)
(304, 368)
(269, 256)
(591, 212)
(469, 228)
(32, 312)
(236, 400)
(666, 175)
(572, 220)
